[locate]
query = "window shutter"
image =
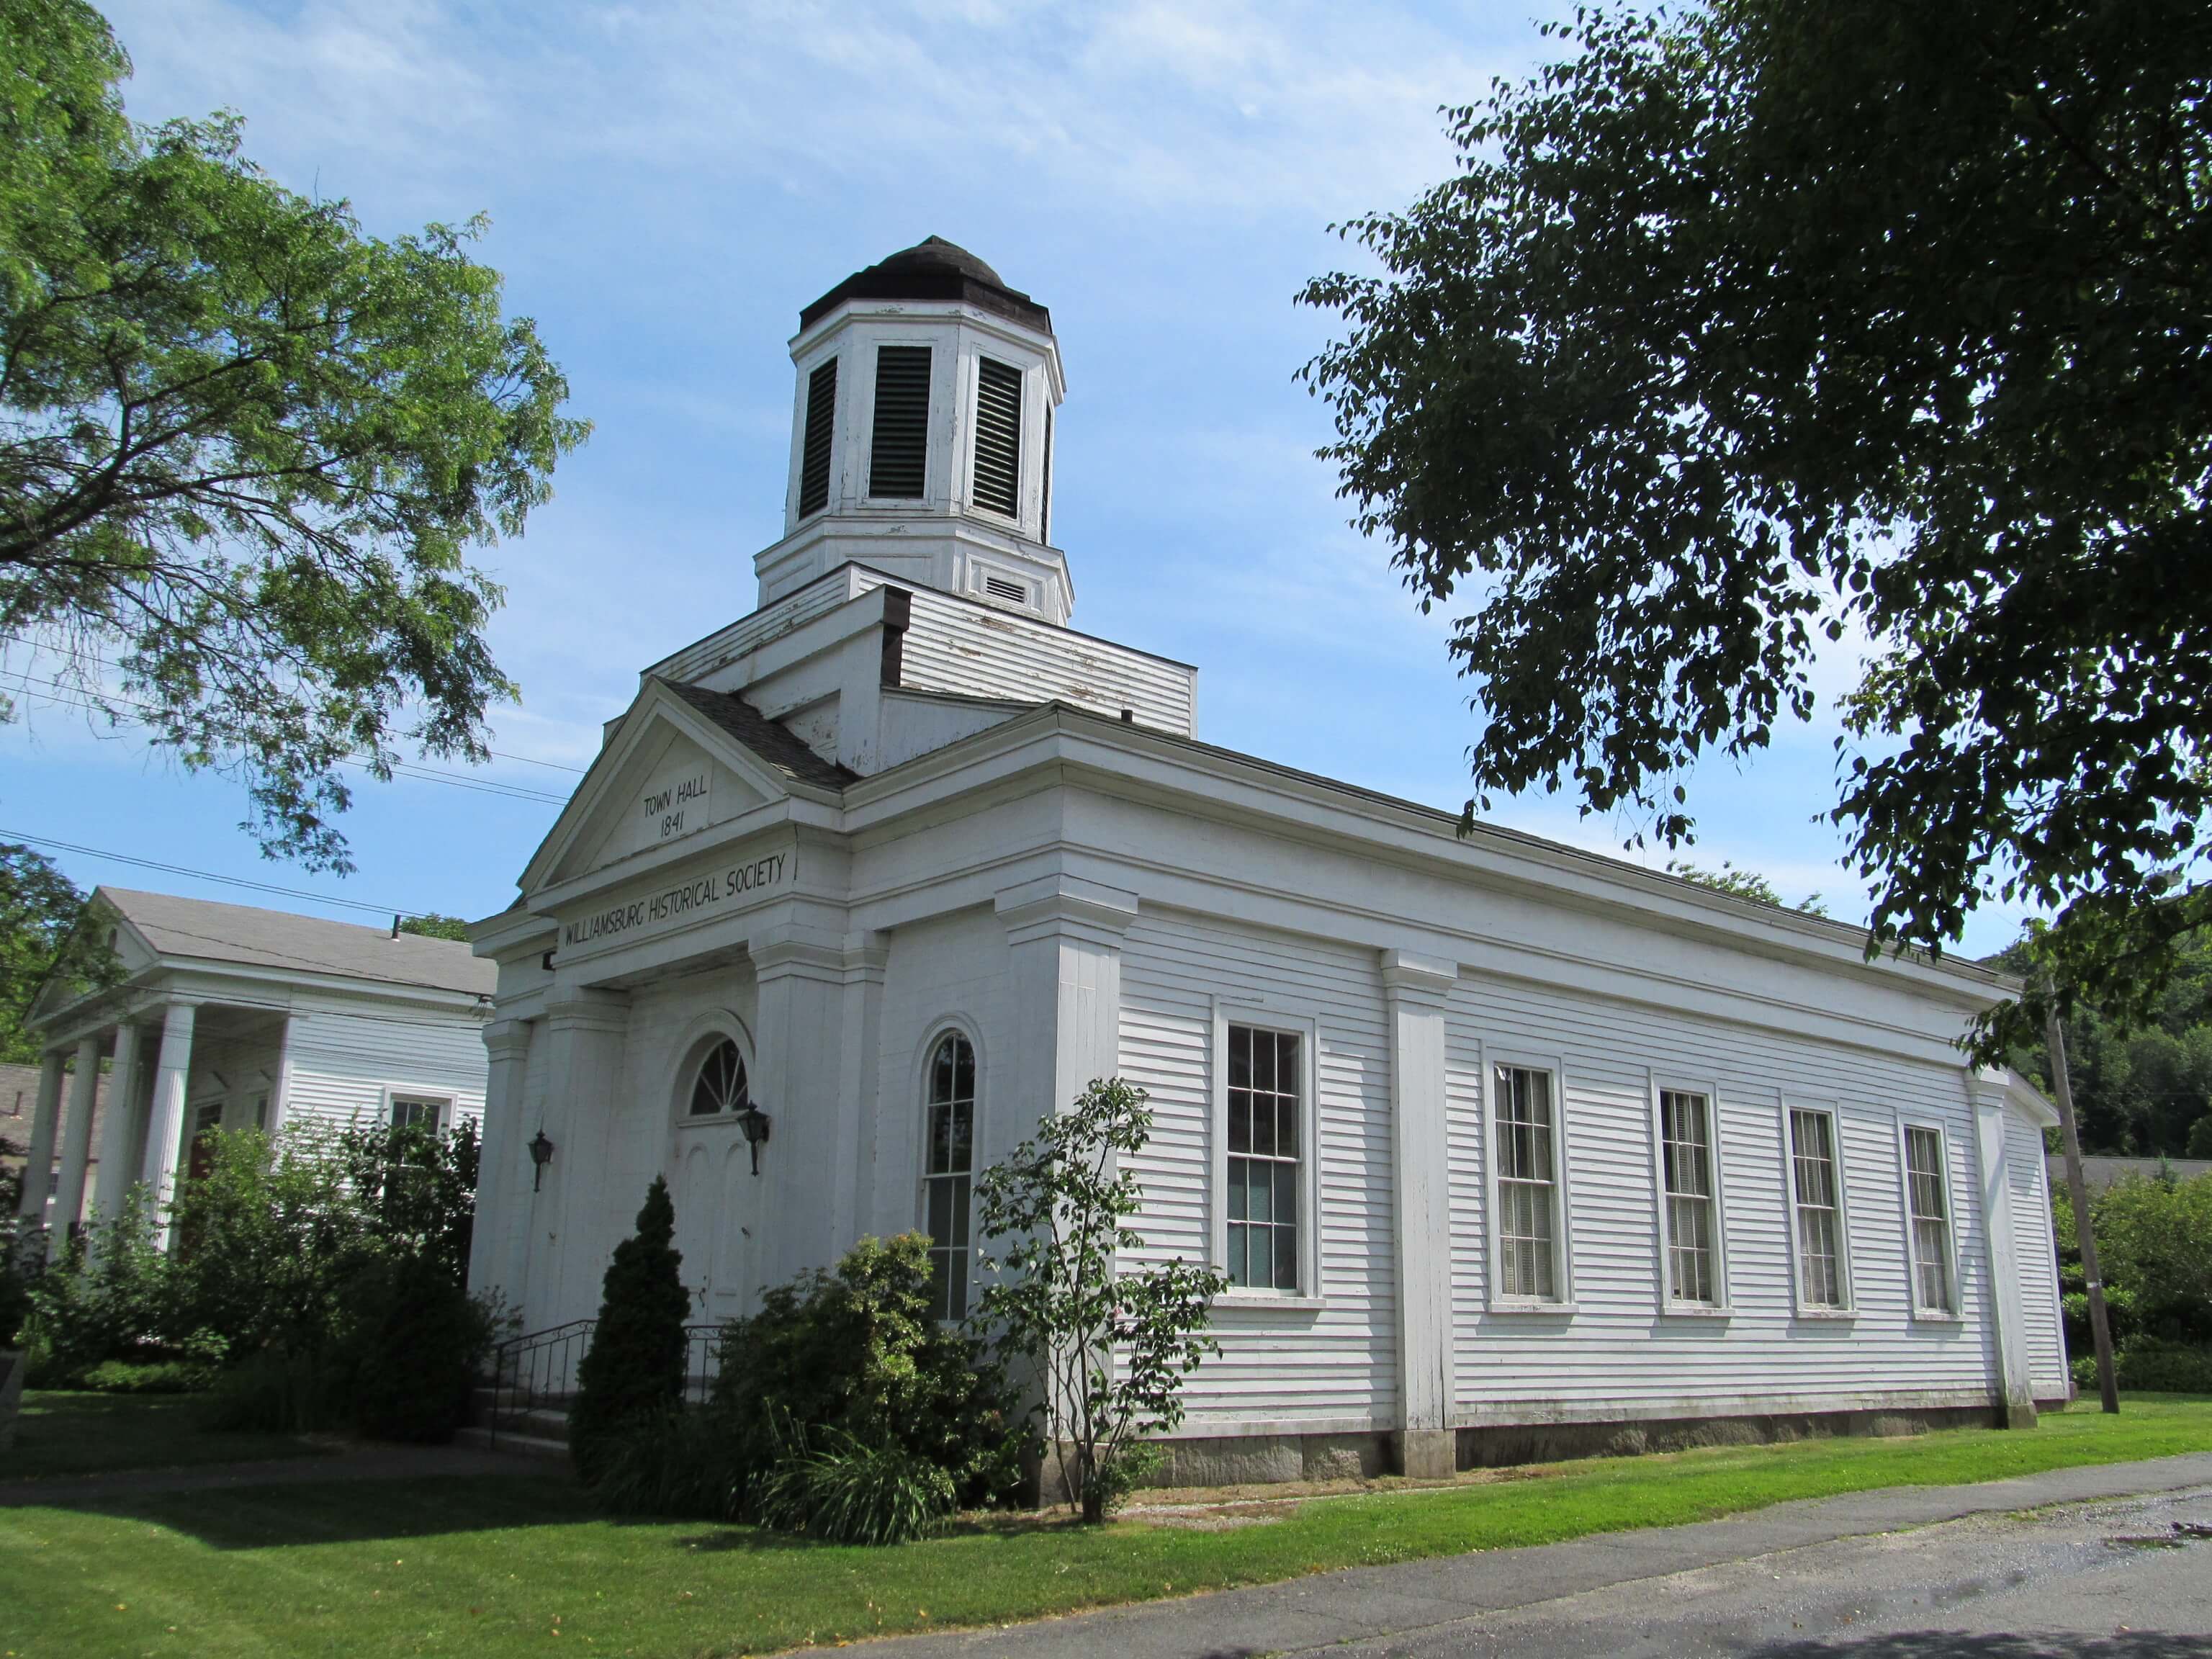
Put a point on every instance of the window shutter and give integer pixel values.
(814, 448)
(899, 453)
(998, 436)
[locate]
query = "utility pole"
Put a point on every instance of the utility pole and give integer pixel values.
(2069, 1139)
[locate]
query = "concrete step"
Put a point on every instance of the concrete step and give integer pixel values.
(522, 1445)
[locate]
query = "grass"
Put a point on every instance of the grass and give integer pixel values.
(497, 1567)
(60, 1433)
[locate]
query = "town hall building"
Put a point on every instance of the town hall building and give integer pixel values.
(1504, 1147)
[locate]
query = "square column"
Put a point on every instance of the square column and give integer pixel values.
(119, 1127)
(45, 1115)
(2010, 1381)
(1415, 992)
(77, 1148)
(503, 1164)
(165, 1118)
(1064, 942)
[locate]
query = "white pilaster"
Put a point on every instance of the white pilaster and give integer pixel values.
(76, 1146)
(859, 1087)
(39, 1162)
(2010, 1379)
(165, 1118)
(1063, 938)
(813, 1124)
(503, 1166)
(585, 1032)
(118, 1127)
(1416, 990)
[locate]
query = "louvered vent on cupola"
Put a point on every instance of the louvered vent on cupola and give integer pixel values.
(897, 457)
(1000, 587)
(998, 436)
(814, 448)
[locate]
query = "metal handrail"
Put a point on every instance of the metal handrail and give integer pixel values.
(539, 1367)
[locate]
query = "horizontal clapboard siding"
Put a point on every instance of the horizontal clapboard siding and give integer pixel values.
(1618, 1355)
(981, 652)
(771, 622)
(2036, 1251)
(1280, 1367)
(343, 1063)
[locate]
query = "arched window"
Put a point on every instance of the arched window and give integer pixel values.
(948, 1163)
(719, 1088)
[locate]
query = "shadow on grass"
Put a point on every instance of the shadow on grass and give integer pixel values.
(73, 1433)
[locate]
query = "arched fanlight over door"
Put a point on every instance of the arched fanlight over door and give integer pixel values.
(720, 1086)
(948, 1163)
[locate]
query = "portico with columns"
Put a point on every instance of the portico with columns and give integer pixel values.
(1504, 1145)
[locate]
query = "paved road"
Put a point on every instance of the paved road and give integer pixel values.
(2107, 1566)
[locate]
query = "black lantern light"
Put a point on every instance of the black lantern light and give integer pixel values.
(541, 1154)
(755, 1124)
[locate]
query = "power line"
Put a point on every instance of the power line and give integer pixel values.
(109, 662)
(209, 875)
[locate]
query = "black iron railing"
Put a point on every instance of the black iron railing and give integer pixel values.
(539, 1368)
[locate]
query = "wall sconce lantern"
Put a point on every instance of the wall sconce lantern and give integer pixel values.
(541, 1154)
(754, 1123)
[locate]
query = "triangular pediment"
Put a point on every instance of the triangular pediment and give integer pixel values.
(668, 774)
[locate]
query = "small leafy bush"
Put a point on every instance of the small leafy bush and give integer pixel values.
(844, 1491)
(273, 1392)
(426, 1336)
(161, 1377)
(677, 1465)
(2146, 1365)
(103, 1299)
(20, 1246)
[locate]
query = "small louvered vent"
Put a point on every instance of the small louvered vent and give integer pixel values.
(814, 449)
(900, 451)
(1000, 588)
(998, 435)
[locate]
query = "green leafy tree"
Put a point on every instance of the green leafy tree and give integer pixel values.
(1743, 885)
(1110, 1347)
(41, 941)
(633, 1370)
(414, 1188)
(245, 448)
(431, 925)
(1763, 325)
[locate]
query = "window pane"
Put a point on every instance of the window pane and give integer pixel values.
(1237, 1232)
(1286, 1125)
(1240, 1056)
(1262, 1113)
(1286, 1258)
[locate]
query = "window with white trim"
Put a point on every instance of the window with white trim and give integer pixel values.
(416, 1111)
(1928, 1197)
(1692, 1219)
(1817, 1191)
(719, 1087)
(1525, 1131)
(1266, 1085)
(949, 1162)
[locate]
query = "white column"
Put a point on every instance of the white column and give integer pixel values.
(573, 1218)
(165, 1118)
(76, 1146)
(503, 1158)
(2010, 1381)
(116, 1124)
(1063, 938)
(1415, 990)
(860, 1087)
(39, 1163)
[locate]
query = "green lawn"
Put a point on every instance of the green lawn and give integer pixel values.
(497, 1567)
(91, 1433)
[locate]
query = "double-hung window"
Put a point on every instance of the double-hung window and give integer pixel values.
(1816, 1193)
(1526, 1187)
(1266, 1107)
(1928, 1198)
(1691, 1198)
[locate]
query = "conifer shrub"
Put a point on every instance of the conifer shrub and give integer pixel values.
(633, 1370)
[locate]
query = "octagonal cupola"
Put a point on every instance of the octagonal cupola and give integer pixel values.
(921, 435)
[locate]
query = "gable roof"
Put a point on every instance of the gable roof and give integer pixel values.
(242, 933)
(774, 743)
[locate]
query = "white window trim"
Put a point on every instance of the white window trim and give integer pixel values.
(1833, 1110)
(1311, 1292)
(971, 391)
(833, 353)
(945, 435)
(1723, 1304)
(1954, 1315)
(691, 1051)
(397, 1091)
(1562, 1207)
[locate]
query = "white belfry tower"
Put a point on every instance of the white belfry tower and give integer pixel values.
(922, 433)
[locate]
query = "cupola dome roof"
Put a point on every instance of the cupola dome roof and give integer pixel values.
(933, 269)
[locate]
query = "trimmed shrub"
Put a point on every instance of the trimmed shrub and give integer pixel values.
(847, 1492)
(635, 1368)
(163, 1376)
(422, 1347)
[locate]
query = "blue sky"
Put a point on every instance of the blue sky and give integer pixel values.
(668, 183)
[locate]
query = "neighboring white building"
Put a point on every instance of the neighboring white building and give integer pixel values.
(229, 1017)
(1510, 1146)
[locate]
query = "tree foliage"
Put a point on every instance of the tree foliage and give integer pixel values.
(1108, 1345)
(1743, 885)
(1768, 325)
(245, 448)
(41, 940)
(634, 1370)
(433, 924)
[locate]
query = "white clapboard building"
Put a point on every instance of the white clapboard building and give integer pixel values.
(227, 1017)
(1505, 1146)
